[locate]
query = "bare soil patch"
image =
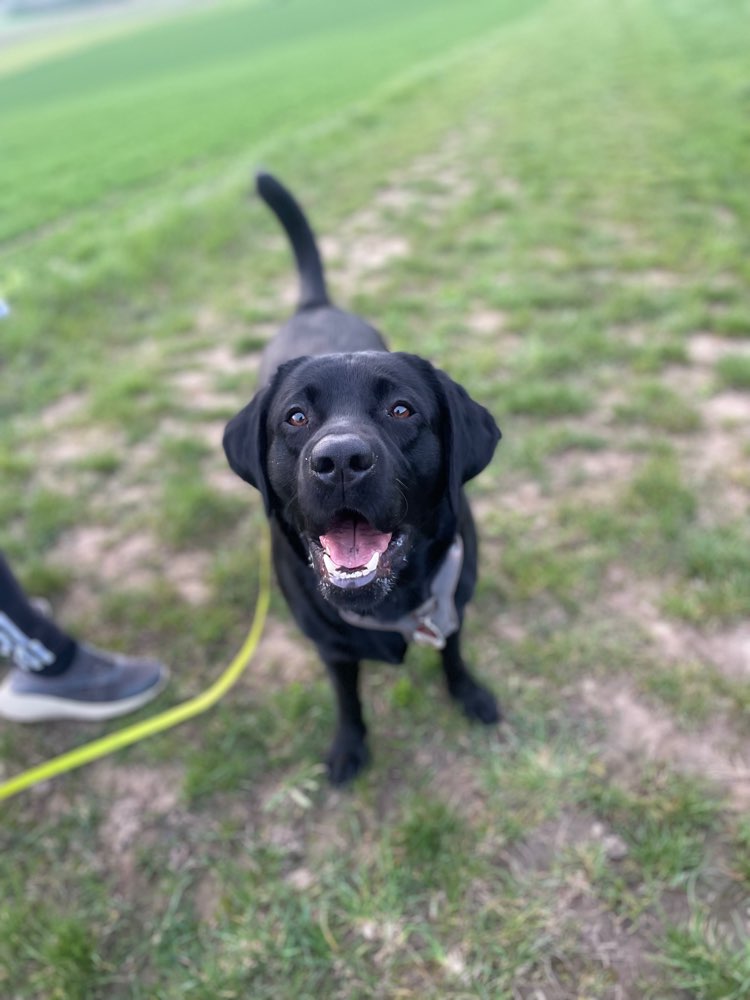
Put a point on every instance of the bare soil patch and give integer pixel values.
(137, 800)
(637, 730)
(487, 322)
(283, 658)
(61, 411)
(725, 648)
(188, 573)
(105, 554)
(706, 348)
(727, 409)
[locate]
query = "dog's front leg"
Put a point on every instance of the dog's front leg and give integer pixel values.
(348, 753)
(477, 701)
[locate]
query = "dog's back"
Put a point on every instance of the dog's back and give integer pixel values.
(317, 327)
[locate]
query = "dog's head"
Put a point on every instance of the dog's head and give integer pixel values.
(360, 454)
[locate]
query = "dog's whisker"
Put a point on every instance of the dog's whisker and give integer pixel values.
(402, 488)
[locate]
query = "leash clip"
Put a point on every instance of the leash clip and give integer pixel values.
(427, 633)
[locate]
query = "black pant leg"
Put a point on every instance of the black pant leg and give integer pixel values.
(30, 640)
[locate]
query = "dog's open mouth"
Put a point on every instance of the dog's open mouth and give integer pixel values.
(353, 553)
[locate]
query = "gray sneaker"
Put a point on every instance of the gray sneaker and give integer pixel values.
(97, 685)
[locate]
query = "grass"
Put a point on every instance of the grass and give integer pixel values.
(209, 63)
(661, 408)
(734, 371)
(705, 964)
(567, 190)
(716, 576)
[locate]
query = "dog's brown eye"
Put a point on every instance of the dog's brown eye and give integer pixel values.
(401, 410)
(297, 418)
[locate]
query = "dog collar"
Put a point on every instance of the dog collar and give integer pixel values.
(433, 621)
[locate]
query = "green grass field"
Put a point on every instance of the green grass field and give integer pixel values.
(550, 201)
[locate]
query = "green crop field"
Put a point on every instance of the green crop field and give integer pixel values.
(550, 200)
(177, 98)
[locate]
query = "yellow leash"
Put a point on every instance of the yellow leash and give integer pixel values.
(165, 720)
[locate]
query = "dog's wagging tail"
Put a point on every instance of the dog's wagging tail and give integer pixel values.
(361, 456)
(313, 292)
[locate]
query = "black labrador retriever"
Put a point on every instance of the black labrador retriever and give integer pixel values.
(360, 456)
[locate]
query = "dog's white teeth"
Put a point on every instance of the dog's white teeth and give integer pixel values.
(344, 573)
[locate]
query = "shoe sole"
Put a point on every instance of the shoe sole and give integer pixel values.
(46, 708)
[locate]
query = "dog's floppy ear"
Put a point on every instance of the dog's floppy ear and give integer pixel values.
(245, 445)
(470, 436)
(246, 439)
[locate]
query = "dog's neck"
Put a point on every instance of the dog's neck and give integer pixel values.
(436, 618)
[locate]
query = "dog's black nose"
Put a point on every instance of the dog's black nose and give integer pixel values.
(341, 458)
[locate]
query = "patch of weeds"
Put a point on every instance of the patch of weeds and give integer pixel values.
(12, 500)
(430, 846)
(47, 515)
(157, 615)
(528, 451)
(15, 465)
(398, 315)
(665, 820)
(511, 944)
(185, 453)
(251, 343)
(655, 357)
(234, 574)
(734, 371)
(52, 908)
(133, 399)
(693, 690)
(552, 567)
(234, 383)
(657, 406)
(416, 689)
(715, 565)
(104, 463)
(544, 293)
(707, 963)
(59, 960)
(540, 399)
(741, 840)
(659, 498)
(215, 628)
(734, 322)
(231, 754)
(276, 935)
(718, 293)
(68, 952)
(534, 781)
(298, 790)
(522, 452)
(539, 358)
(241, 744)
(426, 832)
(578, 649)
(567, 438)
(405, 694)
(44, 580)
(603, 525)
(631, 304)
(195, 514)
(479, 370)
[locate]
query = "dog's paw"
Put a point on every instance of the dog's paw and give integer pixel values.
(479, 703)
(347, 756)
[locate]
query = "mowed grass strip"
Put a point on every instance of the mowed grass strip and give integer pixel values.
(210, 86)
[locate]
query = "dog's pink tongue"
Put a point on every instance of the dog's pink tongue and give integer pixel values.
(351, 544)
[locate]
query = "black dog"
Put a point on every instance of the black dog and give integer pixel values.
(360, 456)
